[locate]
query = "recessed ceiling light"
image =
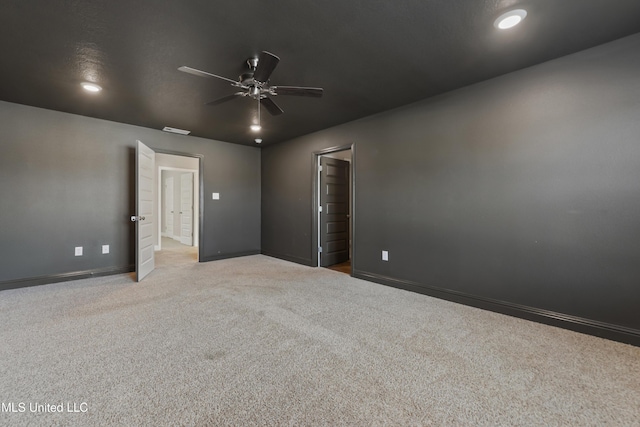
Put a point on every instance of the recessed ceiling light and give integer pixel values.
(176, 130)
(255, 128)
(510, 19)
(258, 141)
(91, 87)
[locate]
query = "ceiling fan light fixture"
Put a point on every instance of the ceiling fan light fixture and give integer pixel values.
(255, 128)
(90, 87)
(510, 19)
(258, 140)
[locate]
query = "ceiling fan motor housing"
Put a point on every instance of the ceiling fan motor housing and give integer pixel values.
(246, 79)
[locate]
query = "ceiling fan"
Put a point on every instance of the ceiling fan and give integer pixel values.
(255, 84)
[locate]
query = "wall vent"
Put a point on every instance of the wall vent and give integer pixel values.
(174, 130)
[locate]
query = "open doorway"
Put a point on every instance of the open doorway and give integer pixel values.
(178, 208)
(334, 219)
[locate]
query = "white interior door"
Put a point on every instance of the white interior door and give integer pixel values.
(145, 162)
(168, 207)
(186, 209)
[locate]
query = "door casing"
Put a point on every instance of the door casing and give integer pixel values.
(200, 195)
(315, 201)
(162, 210)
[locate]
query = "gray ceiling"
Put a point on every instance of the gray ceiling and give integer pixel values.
(369, 56)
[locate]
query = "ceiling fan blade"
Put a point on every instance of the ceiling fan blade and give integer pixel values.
(267, 62)
(271, 106)
(313, 92)
(225, 98)
(204, 74)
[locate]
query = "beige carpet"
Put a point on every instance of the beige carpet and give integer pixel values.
(260, 341)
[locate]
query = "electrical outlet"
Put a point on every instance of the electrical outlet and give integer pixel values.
(215, 196)
(78, 251)
(385, 255)
(105, 249)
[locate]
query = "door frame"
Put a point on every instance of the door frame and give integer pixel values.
(161, 190)
(315, 201)
(200, 171)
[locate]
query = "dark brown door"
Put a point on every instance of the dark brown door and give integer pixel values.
(334, 218)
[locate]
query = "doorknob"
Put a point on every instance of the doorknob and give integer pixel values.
(137, 218)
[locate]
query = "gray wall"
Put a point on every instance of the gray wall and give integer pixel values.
(520, 194)
(68, 181)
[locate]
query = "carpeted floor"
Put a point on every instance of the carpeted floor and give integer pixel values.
(260, 341)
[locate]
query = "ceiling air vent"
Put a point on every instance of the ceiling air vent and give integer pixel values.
(174, 130)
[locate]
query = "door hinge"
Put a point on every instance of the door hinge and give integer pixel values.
(320, 168)
(320, 249)
(319, 208)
